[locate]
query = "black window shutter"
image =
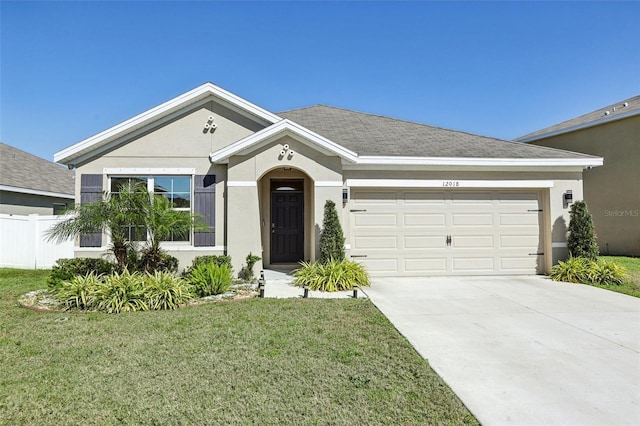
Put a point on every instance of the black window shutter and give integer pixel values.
(90, 191)
(204, 204)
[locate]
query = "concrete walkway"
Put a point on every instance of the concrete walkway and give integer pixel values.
(524, 350)
(279, 285)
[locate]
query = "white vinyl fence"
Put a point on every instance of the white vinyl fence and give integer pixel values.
(23, 242)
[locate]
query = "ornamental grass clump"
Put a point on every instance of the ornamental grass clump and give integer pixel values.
(164, 291)
(585, 271)
(333, 275)
(122, 293)
(79, 292)
(210, 279)
(125, 292)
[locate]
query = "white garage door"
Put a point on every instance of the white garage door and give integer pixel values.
(411, 232)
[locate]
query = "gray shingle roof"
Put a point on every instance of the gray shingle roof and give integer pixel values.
(604, 114)
(24, 170)
(375, 135)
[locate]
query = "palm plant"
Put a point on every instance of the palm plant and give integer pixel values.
(131, 208)
(161, 222)
(113, 214)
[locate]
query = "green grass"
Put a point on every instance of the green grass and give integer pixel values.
(263, 361)
(632, 284)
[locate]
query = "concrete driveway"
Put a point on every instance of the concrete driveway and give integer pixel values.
(524, 350)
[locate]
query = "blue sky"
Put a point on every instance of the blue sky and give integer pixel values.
(69, 70)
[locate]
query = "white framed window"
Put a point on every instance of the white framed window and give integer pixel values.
(178, 189)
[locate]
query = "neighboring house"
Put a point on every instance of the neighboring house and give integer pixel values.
(612, 192)
(414, 200)
(33, 185)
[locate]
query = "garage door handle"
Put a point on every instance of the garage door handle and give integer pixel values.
(358, 255)
(535, 210)
(536, 254)
(356, 210)
(448, 240)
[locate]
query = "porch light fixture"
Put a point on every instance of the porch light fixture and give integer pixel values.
(567, 198)
(345, 196)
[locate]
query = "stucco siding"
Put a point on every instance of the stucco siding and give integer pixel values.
(612, 192)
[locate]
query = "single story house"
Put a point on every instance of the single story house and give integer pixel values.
(612, 192)
(414, 200)
(33, 185)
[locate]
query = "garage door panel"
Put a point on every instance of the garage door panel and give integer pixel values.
(522, 264)
(380, 266)
(377, 219)
(518, 219)
(376, 242)
(471, 219)
(473, 241)
(518, 241)
(425, 219)
(374, 197)
(424, 242)
(467, 264)
(426, 266)
(422, 198)
(459, 198)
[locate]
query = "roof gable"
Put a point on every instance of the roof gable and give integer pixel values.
(617, 111)
(277, 131)
(85, 149)
(24, 172)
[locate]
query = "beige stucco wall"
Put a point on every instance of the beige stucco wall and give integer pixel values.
(25, 204)
(612, 192)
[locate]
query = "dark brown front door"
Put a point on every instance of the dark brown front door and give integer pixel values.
(287, 222)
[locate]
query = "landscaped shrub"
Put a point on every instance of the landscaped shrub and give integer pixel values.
(586, 271)
(79, 292)
(333, 275)
(156, 260)
(609, 273)
(331, 236)
(199, 260)
(67, 269)
(123, 292)
(164, 291)
(246, 273)
(581, 240)
(210, 279)
(573, 270)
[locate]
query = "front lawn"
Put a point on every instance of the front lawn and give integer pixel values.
(263, 361)
(632, 284)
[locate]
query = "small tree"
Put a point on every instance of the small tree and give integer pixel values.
(582, 237)
(331, 237)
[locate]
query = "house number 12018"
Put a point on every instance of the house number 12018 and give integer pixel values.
(450, 183)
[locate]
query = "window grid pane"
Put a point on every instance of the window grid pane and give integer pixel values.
(176, 188)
